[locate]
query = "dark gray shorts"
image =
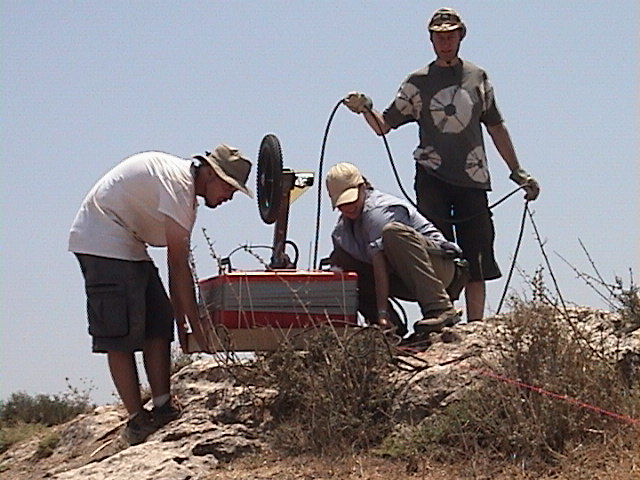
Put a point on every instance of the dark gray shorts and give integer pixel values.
(126, 303)
(443, 204)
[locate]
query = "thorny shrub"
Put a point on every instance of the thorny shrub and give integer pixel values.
(626, 301)
(540, 416)
(335, 396)
(622, 299)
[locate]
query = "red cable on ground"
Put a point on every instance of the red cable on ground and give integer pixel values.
(557, 396)
(539, 390)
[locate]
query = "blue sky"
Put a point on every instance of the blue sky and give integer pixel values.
(87, 83)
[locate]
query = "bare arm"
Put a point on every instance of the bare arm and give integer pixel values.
(504, 145)
(376, 122)
(502, 140)
(181, 286)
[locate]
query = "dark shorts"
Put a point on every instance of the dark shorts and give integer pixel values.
(126, 303)
(443, 203)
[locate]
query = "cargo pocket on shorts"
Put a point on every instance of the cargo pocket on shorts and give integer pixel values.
(107, 310)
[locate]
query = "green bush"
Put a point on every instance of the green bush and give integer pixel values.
(46, 446)
(23, 415)
(16, 432)
(44, 409)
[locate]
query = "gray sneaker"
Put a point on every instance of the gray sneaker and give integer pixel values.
(167, 412)
(437, 320)
(139, 428)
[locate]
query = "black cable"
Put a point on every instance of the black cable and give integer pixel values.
(324, 144)
(296, 251)
(409, 199)
(398, 181)
(249, 248)
(402, 318)
(515, 256)
(393, 164)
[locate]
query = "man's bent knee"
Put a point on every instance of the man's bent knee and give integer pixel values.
(396, 232)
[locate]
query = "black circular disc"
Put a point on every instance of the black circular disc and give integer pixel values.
(269, 187)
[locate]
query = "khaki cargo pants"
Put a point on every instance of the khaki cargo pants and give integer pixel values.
(416, 272)
(415, 259)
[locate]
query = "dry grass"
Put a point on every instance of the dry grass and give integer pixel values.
(335, 396)
(569, 408)
(562, 402)
(586, 464)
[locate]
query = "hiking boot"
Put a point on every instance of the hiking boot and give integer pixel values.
(435, 321)
(138, 428)
(167, 413)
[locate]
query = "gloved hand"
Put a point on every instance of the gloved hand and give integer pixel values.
(530, 184)
(451, 249)
(358, 102)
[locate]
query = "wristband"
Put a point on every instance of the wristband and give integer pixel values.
(383, 313)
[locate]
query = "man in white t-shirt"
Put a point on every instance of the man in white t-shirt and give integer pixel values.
(147, 199)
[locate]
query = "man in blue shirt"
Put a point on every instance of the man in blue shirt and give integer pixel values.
(395, 250)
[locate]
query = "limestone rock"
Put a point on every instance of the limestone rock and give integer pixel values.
(226, 416)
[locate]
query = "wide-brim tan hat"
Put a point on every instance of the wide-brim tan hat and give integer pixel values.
(343, 183)
(230, 165)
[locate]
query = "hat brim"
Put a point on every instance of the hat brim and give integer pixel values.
(444, 27)
(230, 180)
(350, 195)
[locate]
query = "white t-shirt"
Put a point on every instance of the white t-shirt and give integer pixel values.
(125, 211)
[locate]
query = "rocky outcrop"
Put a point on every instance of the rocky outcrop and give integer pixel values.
(226, 417)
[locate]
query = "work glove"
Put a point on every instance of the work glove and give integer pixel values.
(358, 102)
(530, 184)
(451, 249)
